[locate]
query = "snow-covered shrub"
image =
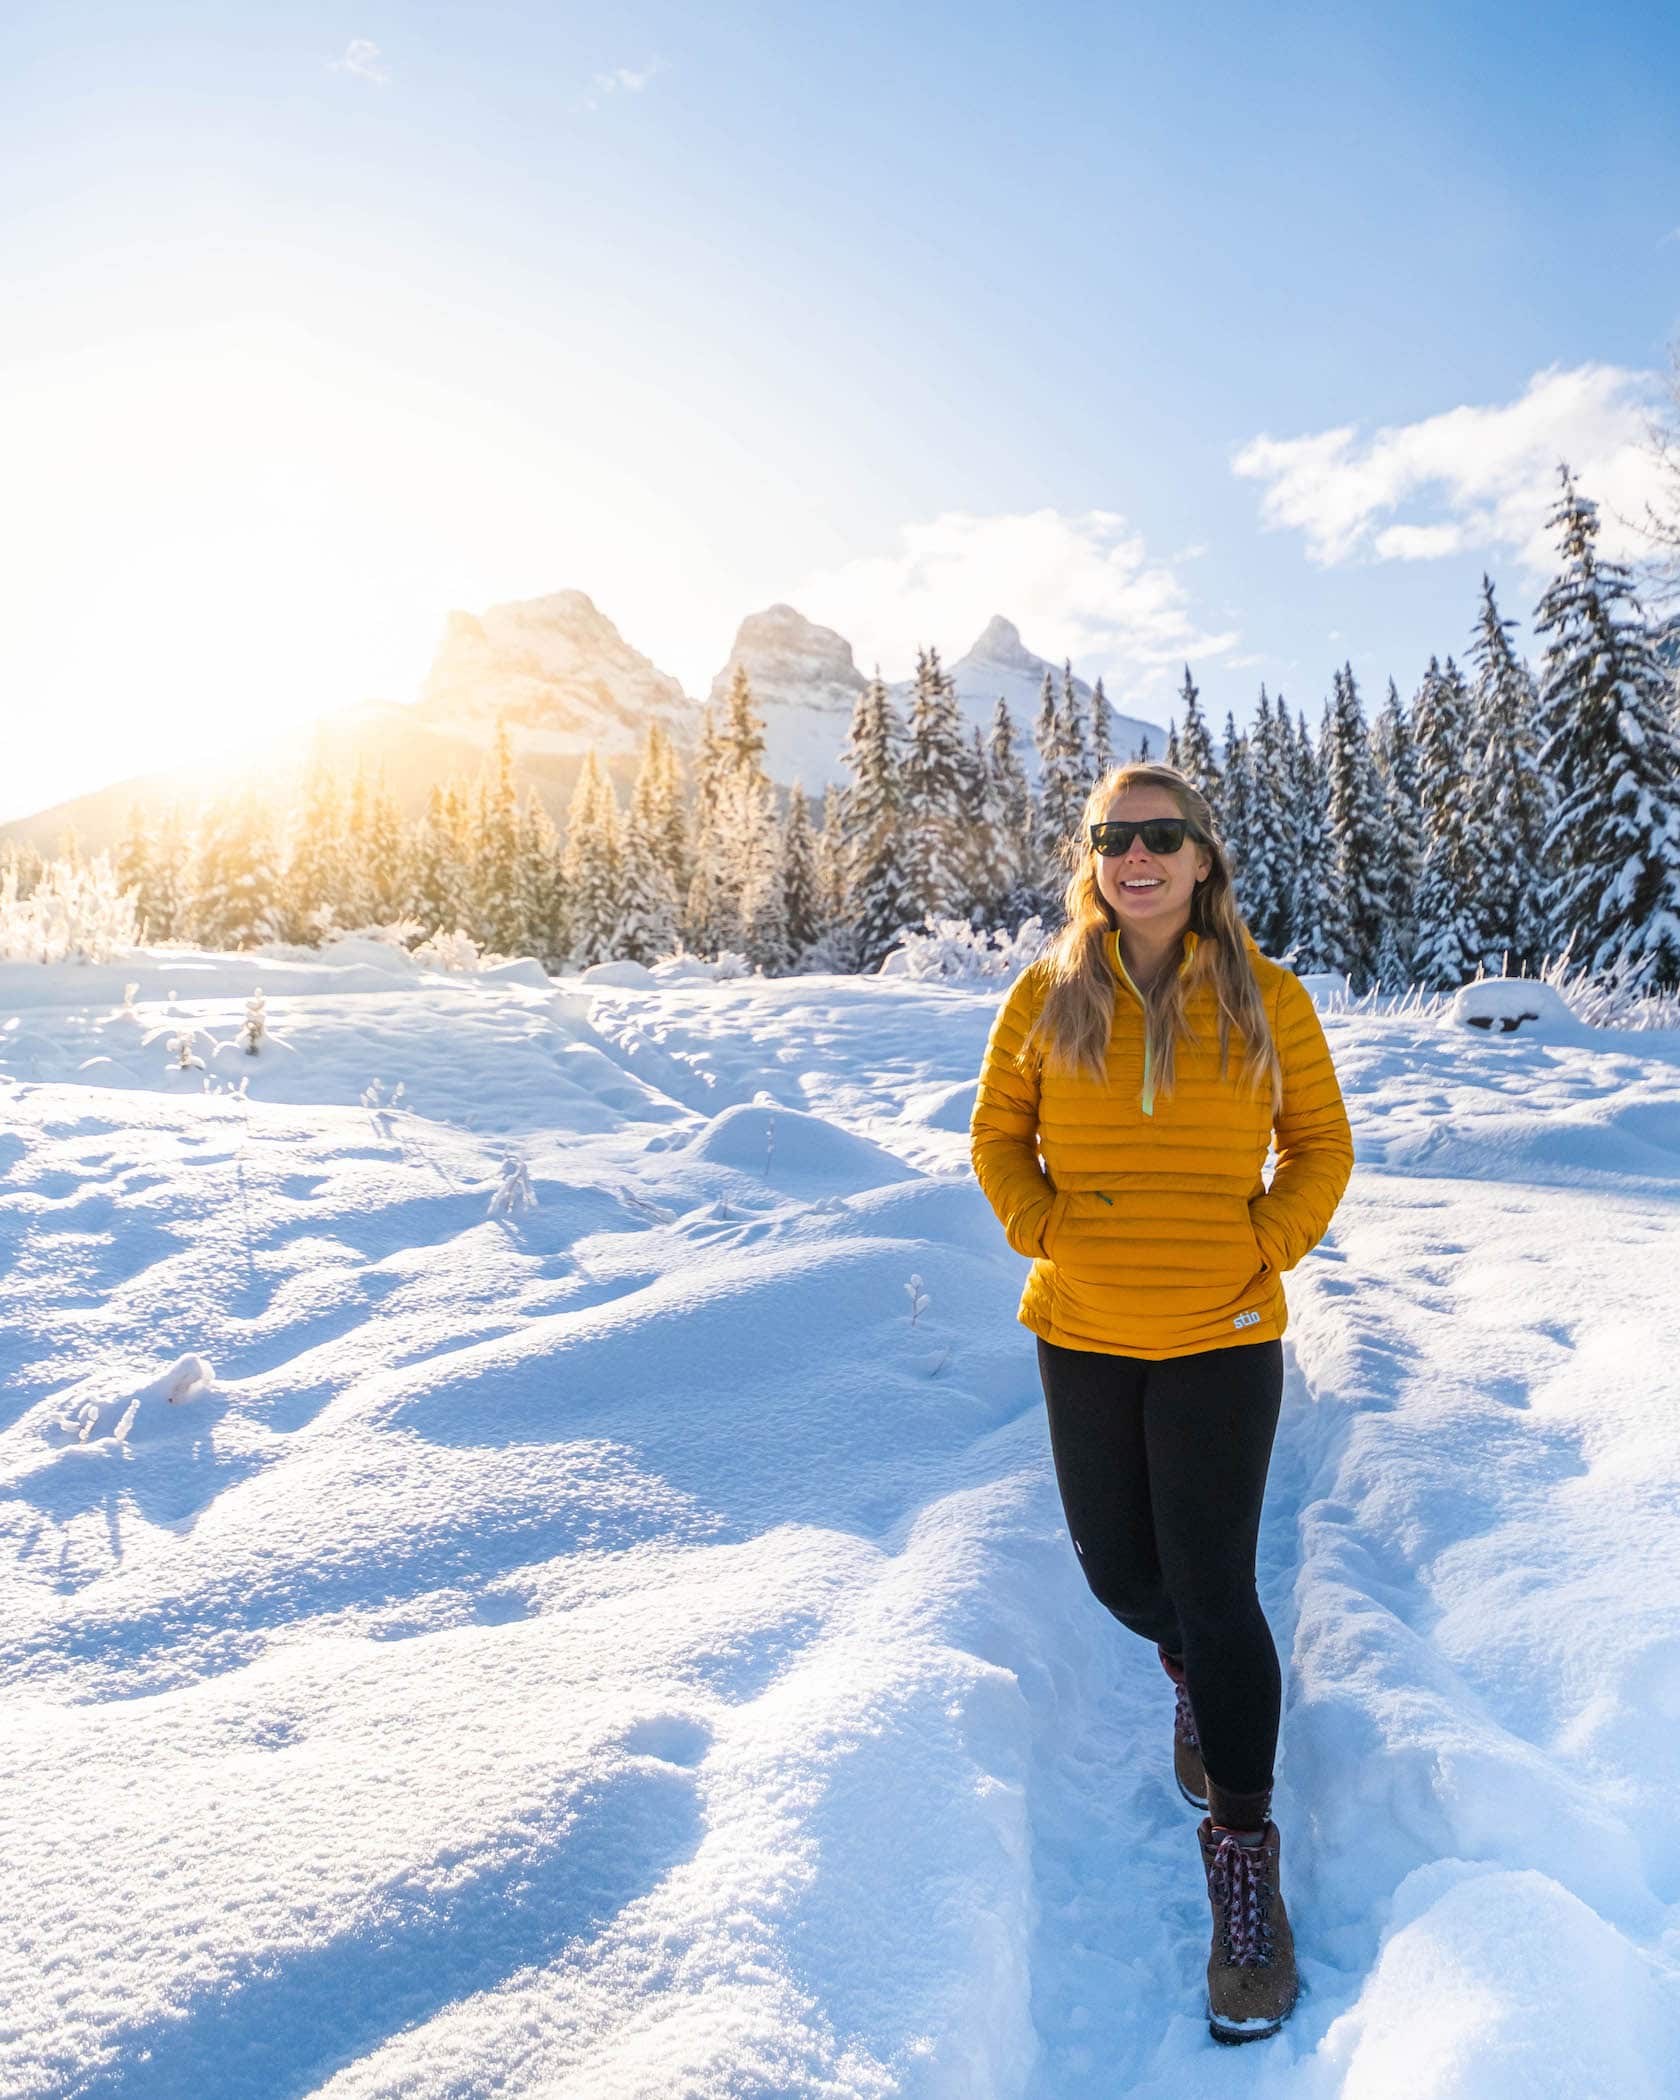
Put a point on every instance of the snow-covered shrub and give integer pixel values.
(1620, 999)
(255, 1023)
(75, 913)
(513, 1193)
(180, 1047)
(918, 1299)
(456, 951)
(960, 953)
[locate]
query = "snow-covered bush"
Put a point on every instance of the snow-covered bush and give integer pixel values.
(75, 913)
(456, 951)
(513, 1193)
(256, 1022)
(961, 953)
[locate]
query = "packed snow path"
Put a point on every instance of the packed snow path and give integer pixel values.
(612, 1648)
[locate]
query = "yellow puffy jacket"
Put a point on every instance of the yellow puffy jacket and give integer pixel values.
(1152, 1229)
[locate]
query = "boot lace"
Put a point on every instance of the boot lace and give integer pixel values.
(1184, 1721)
(1244, 1894)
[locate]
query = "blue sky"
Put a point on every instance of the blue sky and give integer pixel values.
(1248, 337)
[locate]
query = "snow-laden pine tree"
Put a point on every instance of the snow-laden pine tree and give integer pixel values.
(498, 899)
(1448, 945)
(878, 896)
(1235, 813)
(1354, 811)
(1195, 744)
(1076, 743)
(315, 866)
(1014, 821)
(1395, 754)
(977, 855)
(1174, 755)
(1060, 801)
(387, 862)
(354, 903)
(649, 915)
(741, 731)
(436, 887)
(1317, 931)
(169, 874)
(1102, 733)
(834, 914)
(234, 880)
(1612, 851)
(935, 787)
(748, 804)
(1269, 871)
(541, 894)
(591, 866)
(802, 902)
(1508, 801)
(133, 867)
(658, 791)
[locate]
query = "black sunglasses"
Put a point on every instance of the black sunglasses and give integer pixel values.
(1160, 835)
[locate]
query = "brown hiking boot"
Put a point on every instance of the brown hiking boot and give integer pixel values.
(1251, 1981)
(1187, 1745)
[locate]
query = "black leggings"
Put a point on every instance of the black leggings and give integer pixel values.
(1162, 1467)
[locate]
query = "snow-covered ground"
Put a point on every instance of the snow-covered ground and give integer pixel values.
(628, 1646)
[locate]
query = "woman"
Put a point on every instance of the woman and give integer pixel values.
(1149, 1054)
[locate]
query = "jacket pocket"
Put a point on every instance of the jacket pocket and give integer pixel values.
(1053, 1223)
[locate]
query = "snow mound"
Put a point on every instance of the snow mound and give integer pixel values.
(796, 1152)
(130, 1416)
(1479, 1991)
(626, 972)
(1501, 1005)
(946, 1108)
(523, 969)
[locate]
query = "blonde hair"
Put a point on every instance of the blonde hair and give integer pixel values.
(1072, 1029)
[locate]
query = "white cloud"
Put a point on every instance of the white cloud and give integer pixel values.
(1482, 477)
(362, 58)
(1080, 586)
(620, 80)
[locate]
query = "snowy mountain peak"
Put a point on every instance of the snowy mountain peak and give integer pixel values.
(560, 671)
(805, 684)
(1000, 643)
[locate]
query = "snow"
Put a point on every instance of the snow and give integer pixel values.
(551, 1582)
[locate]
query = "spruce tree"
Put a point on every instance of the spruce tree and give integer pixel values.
(831, 854)
(134, 866)
(1448, 945)
(1507, 801)
(541, 893)
(1102, 733)
(1076, 747)
(1174, 756)
(1360, 872)
(387, 866)
(1195, 746)
(169, 876)
(935, 789)
(315, 864)
(802, 902)
(1013, 821)
(1397, 773)
(1235, 812)
(591, 867)
(1269, 872)
(877, 892)
(648, 922)
(234, 877)
(354, 903)
(1612, 850)
(434, 896)
(1317, 932)
(498, 899)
